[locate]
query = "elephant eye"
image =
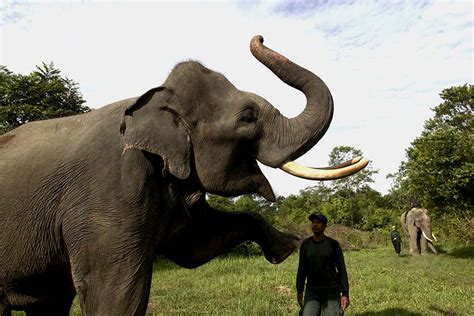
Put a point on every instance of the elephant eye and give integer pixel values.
(248, 116)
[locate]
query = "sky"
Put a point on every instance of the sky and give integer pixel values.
(385, 62)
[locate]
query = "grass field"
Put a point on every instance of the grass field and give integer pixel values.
(381, 284)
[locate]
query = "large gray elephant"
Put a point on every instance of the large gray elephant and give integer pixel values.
(417, 225)
(88, 201)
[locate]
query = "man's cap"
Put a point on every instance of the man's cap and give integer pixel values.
(318, 216)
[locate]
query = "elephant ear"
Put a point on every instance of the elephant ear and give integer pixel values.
(153, 124)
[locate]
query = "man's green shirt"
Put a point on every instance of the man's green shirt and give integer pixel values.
(395, 236)
(321, 265)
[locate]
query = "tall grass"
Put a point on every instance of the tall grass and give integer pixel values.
(381, 284)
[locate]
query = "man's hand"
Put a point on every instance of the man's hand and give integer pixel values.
(299, 297)
(344, 302)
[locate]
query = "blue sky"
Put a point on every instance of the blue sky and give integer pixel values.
(385, 62)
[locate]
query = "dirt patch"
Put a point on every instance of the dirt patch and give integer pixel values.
(284, 290)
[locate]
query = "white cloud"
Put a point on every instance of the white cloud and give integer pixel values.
(384, 63)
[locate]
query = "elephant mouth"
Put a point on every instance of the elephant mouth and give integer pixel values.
(243, 176)
(260, 183)
(263, 187)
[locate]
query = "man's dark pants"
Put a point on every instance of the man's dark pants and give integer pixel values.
(397, 246)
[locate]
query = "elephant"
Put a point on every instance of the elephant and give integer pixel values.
(417, 225)
(88, 202)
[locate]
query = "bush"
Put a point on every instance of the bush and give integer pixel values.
(354, 239)
(455, 229)
(247, 249)
(377, 218)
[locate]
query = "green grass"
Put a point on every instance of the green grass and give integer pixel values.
(381, 284)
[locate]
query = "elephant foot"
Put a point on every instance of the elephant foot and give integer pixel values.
(279, 245)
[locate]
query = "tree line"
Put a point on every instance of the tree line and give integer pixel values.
(40, 95)
(438, 171)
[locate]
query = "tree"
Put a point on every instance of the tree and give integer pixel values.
(455, 112)
(292, 211)
(356, 181)
(43, 94)
(398, 195)
(256, 203)
(220, 202)
(439, 170)
(344, 207)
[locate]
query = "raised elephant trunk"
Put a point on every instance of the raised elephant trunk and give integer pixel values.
(286, 139)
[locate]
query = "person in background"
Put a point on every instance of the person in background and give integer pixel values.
(322, 275)
(396, 240)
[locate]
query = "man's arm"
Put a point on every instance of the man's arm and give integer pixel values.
(343, 279)
(396, 236)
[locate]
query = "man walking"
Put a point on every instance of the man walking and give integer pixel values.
(396, 240)
(322, 271)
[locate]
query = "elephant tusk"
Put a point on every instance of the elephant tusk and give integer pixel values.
(341, 165)
(434, 237)
(327, 173)
(424, 235)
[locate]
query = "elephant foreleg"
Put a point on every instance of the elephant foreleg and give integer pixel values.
(119, 286)
(112, 271)
(414, 244)
(423, 245)
(217, 232)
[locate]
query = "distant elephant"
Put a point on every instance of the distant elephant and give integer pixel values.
(88, 201)
(417, 225)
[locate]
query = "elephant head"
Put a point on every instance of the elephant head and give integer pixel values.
(423, 222)
(204, 127)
